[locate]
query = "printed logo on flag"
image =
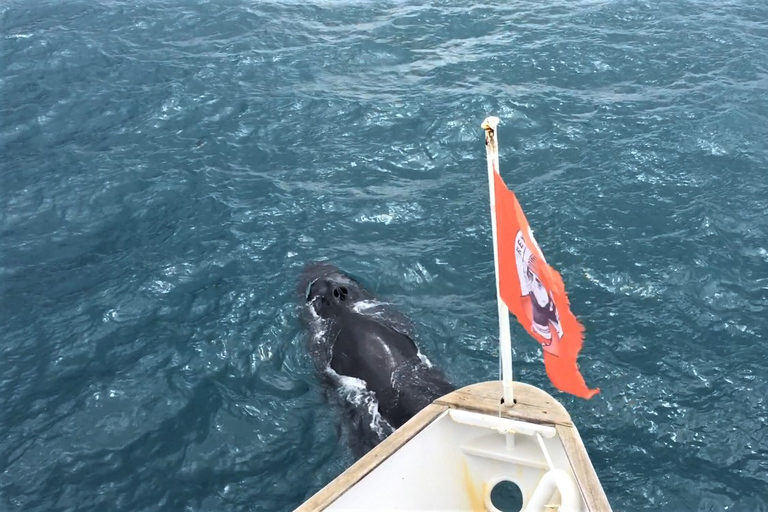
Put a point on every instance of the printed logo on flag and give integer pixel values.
(538, 302)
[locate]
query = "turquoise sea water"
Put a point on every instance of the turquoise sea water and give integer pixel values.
(166, 168)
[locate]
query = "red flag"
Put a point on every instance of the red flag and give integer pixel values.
(535, 293)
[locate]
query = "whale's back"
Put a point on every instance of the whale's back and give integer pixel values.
(370, 350)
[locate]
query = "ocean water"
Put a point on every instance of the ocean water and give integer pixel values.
(166, 168)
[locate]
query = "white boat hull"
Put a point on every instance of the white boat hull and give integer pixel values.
(453, 453)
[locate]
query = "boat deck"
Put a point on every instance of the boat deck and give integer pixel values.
(531, 405)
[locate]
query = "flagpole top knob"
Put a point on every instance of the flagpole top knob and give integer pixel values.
(490, 123)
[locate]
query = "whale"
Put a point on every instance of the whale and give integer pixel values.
(355, 337)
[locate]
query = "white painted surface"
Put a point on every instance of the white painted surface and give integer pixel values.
(453, 465)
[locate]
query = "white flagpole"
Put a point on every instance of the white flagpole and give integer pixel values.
(505, 339)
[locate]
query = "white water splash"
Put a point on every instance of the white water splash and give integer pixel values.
(356, 392)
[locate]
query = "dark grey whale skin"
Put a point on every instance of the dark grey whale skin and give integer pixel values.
(372, 344)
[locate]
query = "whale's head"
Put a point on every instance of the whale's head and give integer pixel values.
(327, 290)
